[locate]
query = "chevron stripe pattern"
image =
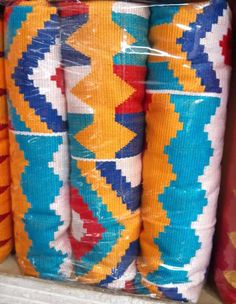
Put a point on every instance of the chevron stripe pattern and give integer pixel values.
(38, 140)
(6, 243)
(105, 73)
(186, 100)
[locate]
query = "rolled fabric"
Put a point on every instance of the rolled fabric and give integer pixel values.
(38, 139)
(104, 56)
(187, 89)
(225, 250)
(6, 242)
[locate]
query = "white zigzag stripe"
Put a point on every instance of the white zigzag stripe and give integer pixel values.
(61, 205)
(42, 79)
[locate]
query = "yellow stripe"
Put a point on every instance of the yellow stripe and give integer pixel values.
(23, 38)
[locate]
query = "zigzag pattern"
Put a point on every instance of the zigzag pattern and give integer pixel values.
(39, 147)
(106, 126)
(6, 243)
(24, 56)
(186, 112)
(189, 48)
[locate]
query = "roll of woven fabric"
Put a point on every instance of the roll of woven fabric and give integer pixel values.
(104, 55)
(225, 253)
(187, 90)
(38, 139)
(6, 242)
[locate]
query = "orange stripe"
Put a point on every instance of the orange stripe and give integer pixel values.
(23, 38)
(105, 136)
(162, 125)
(20, 206)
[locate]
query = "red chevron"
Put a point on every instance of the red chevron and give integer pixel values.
(134, 76)
(2, 243)
(93, 229)
(225, 44)
(3, 216)
(2, 159)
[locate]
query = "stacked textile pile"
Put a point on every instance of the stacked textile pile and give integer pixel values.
(104, 75)
(38, 140)
(6, 242)
(188, 73)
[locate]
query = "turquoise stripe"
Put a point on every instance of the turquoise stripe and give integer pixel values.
(136, 26)
(17, 16)
(41, 186)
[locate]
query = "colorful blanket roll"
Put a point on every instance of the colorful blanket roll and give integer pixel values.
(103, 50)
(225, 263)
(38, 139)
(188, 75)
(6, 242)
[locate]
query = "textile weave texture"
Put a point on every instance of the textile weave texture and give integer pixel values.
(38, 140)
(6, 242)
(187, 86)
(104, 77)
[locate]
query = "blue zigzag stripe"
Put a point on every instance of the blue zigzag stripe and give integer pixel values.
(189, 153)
(130, 196)
(191, 39)
(41, 186)
(70, 56)
(126, 261)
(172, 293)
(136, 123)
(30, 59)
(96, 205)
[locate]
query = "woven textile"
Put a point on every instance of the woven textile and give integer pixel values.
(105, 73)
(5, 202)
(225, 253)
(38, 139)
(187, 87)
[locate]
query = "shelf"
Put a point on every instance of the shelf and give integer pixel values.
(15, 288)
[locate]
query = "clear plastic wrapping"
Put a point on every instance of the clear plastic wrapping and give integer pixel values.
(117, 113)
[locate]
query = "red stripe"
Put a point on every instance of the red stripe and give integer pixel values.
(2, 243)
(4, 216)
(2, 91)
(3, 126)
(72, 9)
(2, 159)
(2, 190)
